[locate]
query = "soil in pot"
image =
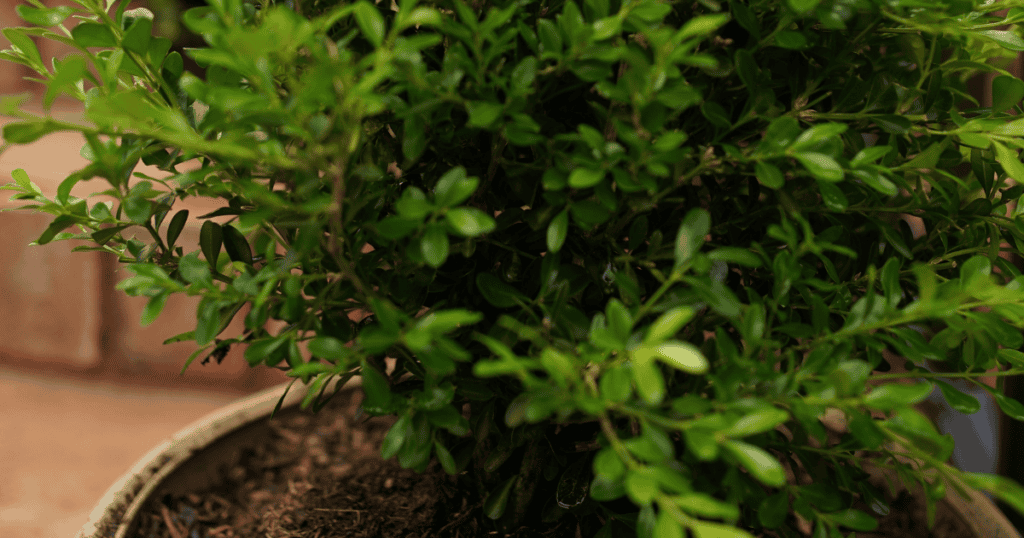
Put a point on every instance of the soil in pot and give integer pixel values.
(320, 475)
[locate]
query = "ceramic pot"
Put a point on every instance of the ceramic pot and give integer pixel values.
(190, 459)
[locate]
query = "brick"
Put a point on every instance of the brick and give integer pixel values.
(11, 74)
(49, 296)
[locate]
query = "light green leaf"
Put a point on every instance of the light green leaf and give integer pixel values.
(703, 25)
(668, 324)
(769, 175)
(470, 221)
(583, 178)
(821, 166)
(370, 22)
(707, 529)
(757, 422)
(434, 246)
(558, 228)
(762, 465)
(1010, 161)
(682, 356)
(482, 113)
(893, 395)
(454, 187)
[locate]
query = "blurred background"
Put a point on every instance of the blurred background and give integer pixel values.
(85, 391)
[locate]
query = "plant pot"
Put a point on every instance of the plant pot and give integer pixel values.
(190, 460)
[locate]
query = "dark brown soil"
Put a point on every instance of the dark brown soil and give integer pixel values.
(320, 476)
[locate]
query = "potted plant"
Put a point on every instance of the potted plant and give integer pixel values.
(631, 253)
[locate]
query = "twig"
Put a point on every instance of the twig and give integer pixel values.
(171, 527)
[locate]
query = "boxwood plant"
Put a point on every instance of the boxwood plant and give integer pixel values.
(608, 261)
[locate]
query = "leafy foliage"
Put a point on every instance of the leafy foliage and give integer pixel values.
(634, 250)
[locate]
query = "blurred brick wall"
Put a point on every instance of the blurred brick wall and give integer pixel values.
(60, 312)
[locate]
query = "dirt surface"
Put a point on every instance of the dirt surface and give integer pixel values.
(320, 476)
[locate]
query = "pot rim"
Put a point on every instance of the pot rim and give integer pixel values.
(118, 507)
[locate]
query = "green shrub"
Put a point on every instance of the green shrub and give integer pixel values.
(639, 246)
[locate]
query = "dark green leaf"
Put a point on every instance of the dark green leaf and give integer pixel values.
(1007, 91)
(964, 403)
(854, 519)
(174, 228)
(497, 292)
(236, 245)
(497, 500)
(91, 34)
(210, 240)
(773, 510)
(136, 39)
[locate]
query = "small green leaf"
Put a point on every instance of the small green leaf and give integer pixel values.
(893, 395)
(707, 529)
(736, 255)
(1007, 91)
(470, 221)
(668, 324)
(964, 403)
(773, 510)
(329, 348)
(396, 436)
(1010, 406)
(690, 238)
(136, 39)
(44, 17)
(762, 465)
(91, 34)
(454, 187)
(757, 422)
(682, 356)
(821, 166)
(558, 228)
(1008, 40)
(615, 384)
(175, 227)
(650, 383)
(236, 245)
(583, 178)
(833, 196)
(482, 113)
(667, 527)
(24, 132)
(497, 500)
(370, 22)
(1007, 158)
(210, 239)
(444, 457)
(854, 519)
(769, 175)
(703, 25)
(803, 6)
(523, 75)
(434, 246)
(497, 292)
(153, 308)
